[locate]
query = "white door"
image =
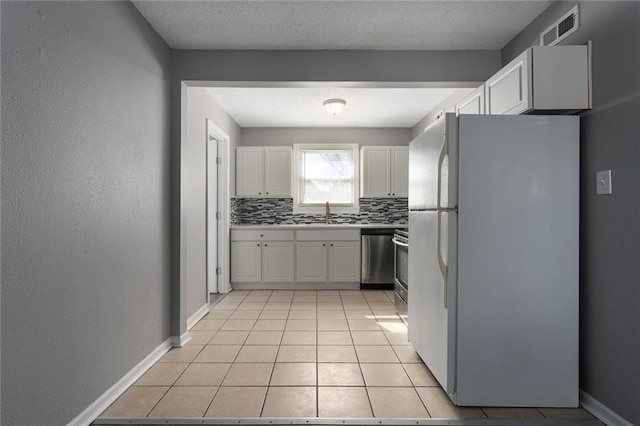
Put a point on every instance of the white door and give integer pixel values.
(277, 262)
(212, 222)
(425, 161)
(428, 316)
(376, 172)
(344, 261)
(277, 172)
(311, 261)
(400, 172)
(249, 171)
(246, 261)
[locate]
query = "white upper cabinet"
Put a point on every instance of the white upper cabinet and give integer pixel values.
(385, 171)
(376, 171)
(277, 172)
(542, 78)
(263, 171)
(472, 104)
(400, 171)
(249, 172)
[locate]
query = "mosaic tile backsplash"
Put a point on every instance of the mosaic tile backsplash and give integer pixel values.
(279, 211)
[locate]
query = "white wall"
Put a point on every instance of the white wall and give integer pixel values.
(291, 135)
(200, 106)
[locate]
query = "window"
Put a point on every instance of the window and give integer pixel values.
(325, 172)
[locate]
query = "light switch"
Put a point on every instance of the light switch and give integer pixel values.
(603, 182)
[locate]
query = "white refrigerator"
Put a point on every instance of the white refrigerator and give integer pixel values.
(493, 258)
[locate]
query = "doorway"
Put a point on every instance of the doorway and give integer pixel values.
(217, 212)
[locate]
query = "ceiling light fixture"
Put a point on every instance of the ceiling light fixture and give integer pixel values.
(334, 106)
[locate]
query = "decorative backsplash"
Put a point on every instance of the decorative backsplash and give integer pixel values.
(279, 211)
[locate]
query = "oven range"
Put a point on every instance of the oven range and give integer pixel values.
(401, 272)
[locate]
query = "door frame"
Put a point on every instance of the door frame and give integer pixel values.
(217, 201)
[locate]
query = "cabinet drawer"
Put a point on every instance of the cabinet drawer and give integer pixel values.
(260, 235)
(347, 234)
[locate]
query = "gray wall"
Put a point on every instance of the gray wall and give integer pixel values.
(85, 254)
(360, 135)
(610, 224)
(200, 107)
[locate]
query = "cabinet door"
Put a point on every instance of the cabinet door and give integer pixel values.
(400, 171)
(509, 90)
(472, 104)
(249, 172)
(245, 261)
(344, 261)
(311, 262)
(376, 172)
(277, 172)
(277, 261)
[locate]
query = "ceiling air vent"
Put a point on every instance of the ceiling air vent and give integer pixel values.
(561, 29)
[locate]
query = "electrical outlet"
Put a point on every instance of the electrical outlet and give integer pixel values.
(603, 182)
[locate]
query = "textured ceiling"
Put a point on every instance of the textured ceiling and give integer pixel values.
(337, 24)
(302, 107)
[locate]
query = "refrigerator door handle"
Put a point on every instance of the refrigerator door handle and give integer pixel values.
(443, 267)
(441, 264)
(443, 153)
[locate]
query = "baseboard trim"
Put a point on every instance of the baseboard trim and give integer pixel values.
(601, 411)
(106, 399)
(296, 286)
(180, 341)
(193, 319)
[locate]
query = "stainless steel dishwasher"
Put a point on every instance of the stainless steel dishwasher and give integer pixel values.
(377, 258)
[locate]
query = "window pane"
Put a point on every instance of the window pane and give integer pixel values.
(328, 176)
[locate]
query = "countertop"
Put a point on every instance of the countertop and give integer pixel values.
(300, 226)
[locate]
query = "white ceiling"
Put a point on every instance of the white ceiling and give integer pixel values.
(336, 24)
(340, 24)
(303, 107)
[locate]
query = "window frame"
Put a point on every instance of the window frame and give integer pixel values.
(298, 150)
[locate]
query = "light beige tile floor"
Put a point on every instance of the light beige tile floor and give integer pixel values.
(282, 353)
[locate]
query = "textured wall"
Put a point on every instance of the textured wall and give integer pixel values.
(85, 254)
(360, 135)
(609, 224)
(200, 107)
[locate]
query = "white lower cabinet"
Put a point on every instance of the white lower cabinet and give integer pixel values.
(344, 261)
(262, 256)
(309, 256)
(277, 262)
(246, 261)
(311, 261)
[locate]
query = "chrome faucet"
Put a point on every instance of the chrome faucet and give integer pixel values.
(327, 213)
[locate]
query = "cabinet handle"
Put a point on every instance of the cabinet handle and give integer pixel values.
(261, 235)
(258, 244)
(388, 194)
(331, 244)
(393, 193)
(323, 244)
(267, 193)
(266, 245)
(259, 193)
